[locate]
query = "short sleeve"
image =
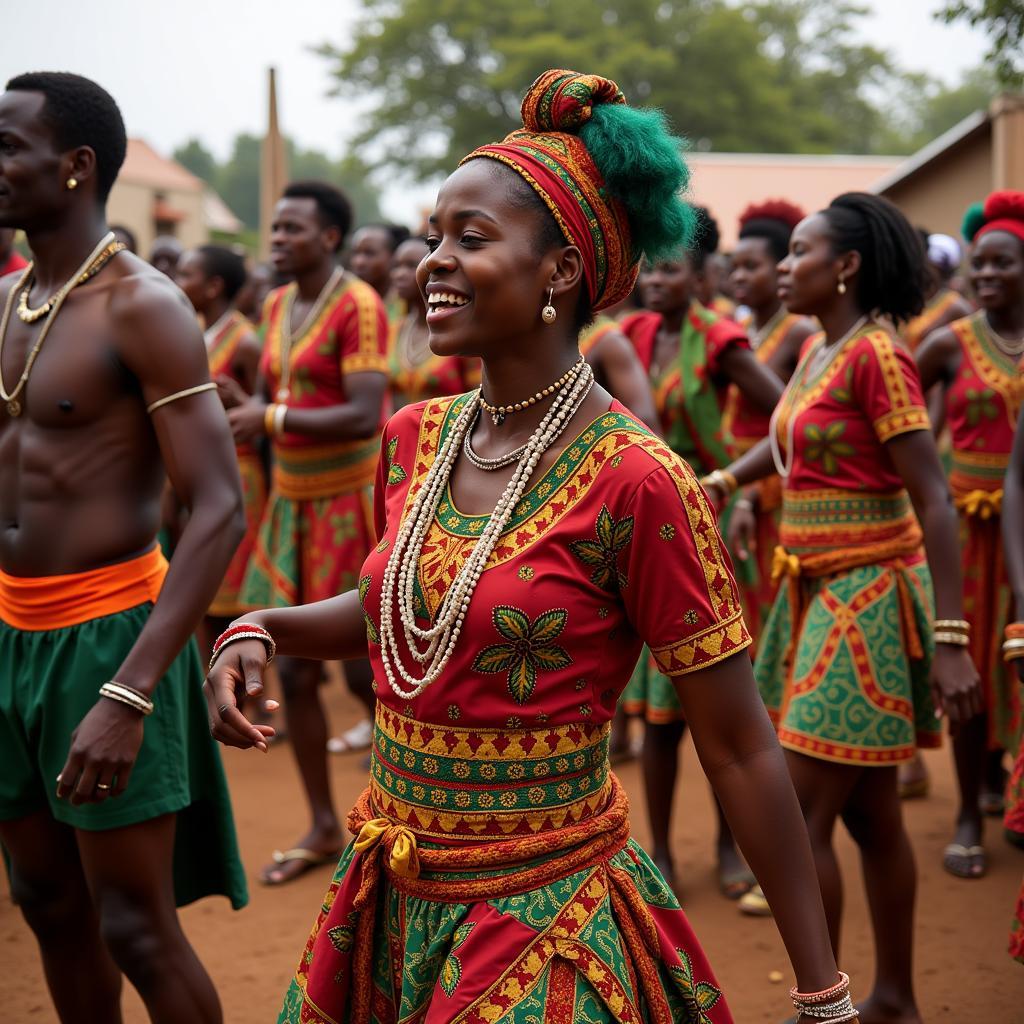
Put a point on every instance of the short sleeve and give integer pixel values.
(720, 337)
(680, 594)
(887, 386)
(363, 332)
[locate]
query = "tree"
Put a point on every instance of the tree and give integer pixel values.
(447, 75)
(195, 157)
(1003, 22)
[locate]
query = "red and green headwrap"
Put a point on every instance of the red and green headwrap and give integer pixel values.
(1003, 211)
(549, 154)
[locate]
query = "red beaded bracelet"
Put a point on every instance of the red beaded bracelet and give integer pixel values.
(244, 631)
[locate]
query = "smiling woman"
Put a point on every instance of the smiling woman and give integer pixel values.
(524, 558)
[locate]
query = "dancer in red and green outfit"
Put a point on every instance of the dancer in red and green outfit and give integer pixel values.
(692, 357)
(211, 277)
(776, 337)
(846, 664)
(492, 876)
(324, 372)
(943, 304)
(1013, 652)
(978, 363)
(415, 372)
(618, 369)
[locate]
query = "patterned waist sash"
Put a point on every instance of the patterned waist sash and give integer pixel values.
(832, 531)
(454, 785)
(324, 471)
(976, 481)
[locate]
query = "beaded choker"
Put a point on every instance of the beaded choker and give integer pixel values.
(499, 412)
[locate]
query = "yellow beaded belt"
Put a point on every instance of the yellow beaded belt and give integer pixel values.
(448, 783)
(324, 471)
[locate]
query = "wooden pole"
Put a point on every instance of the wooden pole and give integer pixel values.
(273, 167)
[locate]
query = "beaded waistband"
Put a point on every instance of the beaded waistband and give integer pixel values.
(824, 520)
(461, 784)
(977, 471)
(324, 471)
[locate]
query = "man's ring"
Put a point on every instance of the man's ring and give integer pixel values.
(222, 709)
(103, 785)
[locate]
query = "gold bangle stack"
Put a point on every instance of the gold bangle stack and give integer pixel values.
(1013, 645)
(268, 419)
(721, 479)
(952, 631)
(273, 419)
(135, 699)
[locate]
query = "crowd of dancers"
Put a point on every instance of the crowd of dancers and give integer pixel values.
(549, 464)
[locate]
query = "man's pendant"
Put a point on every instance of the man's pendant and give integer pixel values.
(13, 407)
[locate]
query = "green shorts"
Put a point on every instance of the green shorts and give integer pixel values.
(49, 679)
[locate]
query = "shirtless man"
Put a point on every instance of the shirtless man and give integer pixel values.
(103, 804)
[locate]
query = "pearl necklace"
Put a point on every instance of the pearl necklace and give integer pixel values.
(489, 465)
(784, 465)
(499, 412)
(398, 586)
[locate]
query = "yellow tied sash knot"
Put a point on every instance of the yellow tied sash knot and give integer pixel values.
(984, 504)
(398, 841)
(784, 564)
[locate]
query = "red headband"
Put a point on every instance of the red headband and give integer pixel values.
(1008, 224)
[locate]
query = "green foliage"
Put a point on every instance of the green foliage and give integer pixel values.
(447, 75)
(195, 157)
(237, 180)
(1003, 23)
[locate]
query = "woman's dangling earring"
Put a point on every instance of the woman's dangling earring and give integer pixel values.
(841, 287)
(549, 313)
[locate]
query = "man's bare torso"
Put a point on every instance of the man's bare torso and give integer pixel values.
(80, 469)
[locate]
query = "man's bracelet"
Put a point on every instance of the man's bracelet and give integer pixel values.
(127, 695)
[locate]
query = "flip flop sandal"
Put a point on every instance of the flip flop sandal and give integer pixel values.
(735, 884)
(964, 861)
(754, 904)
(310, 859)
(992, 805)
(351, 741)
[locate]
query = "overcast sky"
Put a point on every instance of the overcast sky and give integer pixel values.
(197, 67)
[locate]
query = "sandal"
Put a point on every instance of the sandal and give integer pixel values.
(308, 859)
(351, 741)
(992, 805)
(965, 861)
(735, 884)
(754, 904)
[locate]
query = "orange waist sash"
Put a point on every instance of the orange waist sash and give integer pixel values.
(56, 602)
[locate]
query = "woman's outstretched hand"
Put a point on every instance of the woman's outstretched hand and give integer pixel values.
(235, 676)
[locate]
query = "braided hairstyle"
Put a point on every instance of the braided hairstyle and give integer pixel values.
(893, 277)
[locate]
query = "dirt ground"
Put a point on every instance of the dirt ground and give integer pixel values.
(963, 972)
